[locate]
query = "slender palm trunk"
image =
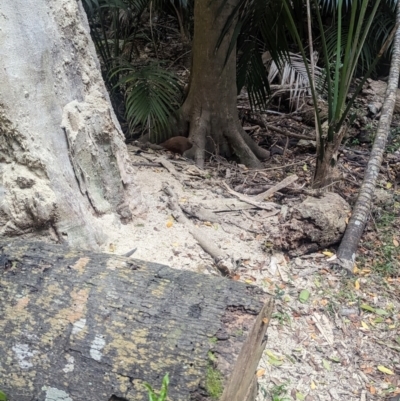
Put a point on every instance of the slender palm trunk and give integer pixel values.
(359, 218)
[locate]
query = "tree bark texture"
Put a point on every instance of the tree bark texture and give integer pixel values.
(210, 107)
(78, 326)
(326, 171)
(63, 160)
(348, 247)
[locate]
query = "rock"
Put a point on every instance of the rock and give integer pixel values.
(382, 197)
(314, 224)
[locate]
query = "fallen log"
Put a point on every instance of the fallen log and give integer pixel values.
(77, 325)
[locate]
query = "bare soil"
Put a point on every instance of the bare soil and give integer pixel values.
(343, 342)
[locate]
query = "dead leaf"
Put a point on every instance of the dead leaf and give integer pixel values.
(367, 369)
(395, 242)
(364, 326)
(273, 359)
(326, 364)
(357, 284)
(260, 372)
(385, 370)
(169, 224)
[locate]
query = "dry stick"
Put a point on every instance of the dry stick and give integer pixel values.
(286, 165)
(252, 190)
(221, 259)
(291, 134)
(253, 127)
(283, 184)
(201, 213)
(206, 215)
(138, 164)
(169, 166)
(265, 206)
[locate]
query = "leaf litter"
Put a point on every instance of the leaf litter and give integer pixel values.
(331, 337)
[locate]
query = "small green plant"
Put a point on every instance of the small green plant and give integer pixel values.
(279, 293)
(238, 333)
(3, 397)
(354, 142)
(214, 382)
(153, 396)
(213, 378)
(213, 340)
(279, 393)
(281, 317)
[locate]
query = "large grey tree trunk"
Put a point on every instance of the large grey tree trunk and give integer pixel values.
(348, 247)
(63, 160)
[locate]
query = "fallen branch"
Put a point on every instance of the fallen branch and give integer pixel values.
(222, 260)
(291, 134)
(169, 166)
(265, 206)
(283, 184)
(146, 164)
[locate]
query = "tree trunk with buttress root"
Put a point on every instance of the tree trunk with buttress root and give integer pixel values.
(210, 107)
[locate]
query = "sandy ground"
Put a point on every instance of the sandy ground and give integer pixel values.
(329, 348)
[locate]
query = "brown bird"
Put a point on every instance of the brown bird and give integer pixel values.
(177, 144)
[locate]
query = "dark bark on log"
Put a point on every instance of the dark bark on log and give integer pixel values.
(77, 325)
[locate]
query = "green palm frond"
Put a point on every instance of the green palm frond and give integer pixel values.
(333, 4)
(384, 21)
(258, 25)
(251, 73)
(153, 95)
(90, 6)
